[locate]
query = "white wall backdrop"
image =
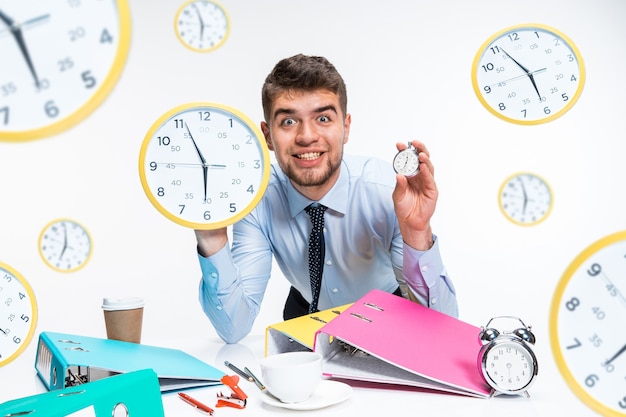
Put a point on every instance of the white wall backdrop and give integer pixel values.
(407, 66)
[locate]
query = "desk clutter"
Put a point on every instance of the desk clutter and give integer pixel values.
(381, 339)
(386, 339)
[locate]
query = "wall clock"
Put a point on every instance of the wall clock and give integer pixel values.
(202, 25)
(528, 74)
(19, 314)
(586, 323)
(60, 61)
(65, 245)
(204, 165)
(525, 199)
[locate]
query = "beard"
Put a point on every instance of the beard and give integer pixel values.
(312, 177)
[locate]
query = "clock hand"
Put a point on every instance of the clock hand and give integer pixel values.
(520, 76)
(27, 24)
(16, 31)
(205, 166)
(64, 242)
(525, 196)
(528, 73)
(3, 332)
(200, 19)
(619, 352)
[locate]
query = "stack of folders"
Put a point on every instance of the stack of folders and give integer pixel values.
(389, 340)
(134, 394)
(298, 334)
(66, 360)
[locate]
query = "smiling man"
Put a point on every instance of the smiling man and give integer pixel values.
(376, 233)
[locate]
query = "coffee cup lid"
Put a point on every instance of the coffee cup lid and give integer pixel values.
(128, 303)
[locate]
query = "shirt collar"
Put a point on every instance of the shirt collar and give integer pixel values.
(336, 199)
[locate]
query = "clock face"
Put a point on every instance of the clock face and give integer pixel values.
(204, 166)
(406, 162)
(508, 365)
(19, 314)
(528, 74)
(60, 60)
(65, 245)
(587, 322)
(202, 25)
(525, 199)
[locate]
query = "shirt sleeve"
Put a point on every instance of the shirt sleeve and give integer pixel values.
(428, 280)
(231, 289)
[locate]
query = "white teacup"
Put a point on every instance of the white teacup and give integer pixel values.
(292, 377)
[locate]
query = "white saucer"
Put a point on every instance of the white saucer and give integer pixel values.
(327, 393)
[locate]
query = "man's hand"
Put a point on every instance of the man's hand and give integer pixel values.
(415, 199)
(211, 241)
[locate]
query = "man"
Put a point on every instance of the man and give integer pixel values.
(377, 231)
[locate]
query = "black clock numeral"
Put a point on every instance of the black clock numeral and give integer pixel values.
(575, 345)
(622, 403)
(4, 111)
(594, 269)
(572, 304)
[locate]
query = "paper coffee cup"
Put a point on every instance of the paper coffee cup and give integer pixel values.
(123, 318)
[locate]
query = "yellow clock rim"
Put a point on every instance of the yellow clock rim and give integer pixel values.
(512, 220)
(578, 390)
(97, 98)
(43, 257)
(209, 225)
(564, 37)
(34, 314)
(214, 47)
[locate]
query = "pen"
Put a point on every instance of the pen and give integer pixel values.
(256, 380)
(195, 403)
(239, 371)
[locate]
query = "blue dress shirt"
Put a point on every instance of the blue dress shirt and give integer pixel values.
(364, 250)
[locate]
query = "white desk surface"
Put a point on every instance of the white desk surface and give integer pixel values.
(548, 395)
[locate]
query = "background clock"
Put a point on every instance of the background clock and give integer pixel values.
(65, 245)
(60, 61)
(528, 74)
(204, 165)
(587, 323)
(202, 25)
(19, 314)
(525, 199)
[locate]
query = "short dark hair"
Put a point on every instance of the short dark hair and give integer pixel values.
(304, 73)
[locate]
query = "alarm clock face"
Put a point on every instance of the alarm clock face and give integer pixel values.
(19, 314)
(508, 365)
(65, 245)
(202, 25)
(525, 199)
(204, 166)
(528, 74)
(60, 59)
(587, 322)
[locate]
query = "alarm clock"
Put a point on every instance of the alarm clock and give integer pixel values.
(506, 360)
(60, 60)
(528, 74)
(406, 162)
(202, 25)
(204, 165)
(19, 313)
(586, 317)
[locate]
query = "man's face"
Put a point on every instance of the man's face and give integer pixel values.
(307, 131)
